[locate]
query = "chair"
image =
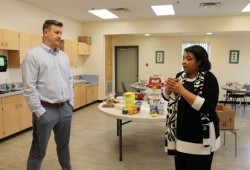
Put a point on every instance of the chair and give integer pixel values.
(124, 87)
(233, 97)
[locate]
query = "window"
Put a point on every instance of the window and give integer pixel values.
(203, 44)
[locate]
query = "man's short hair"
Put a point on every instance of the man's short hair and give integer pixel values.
(48, 23)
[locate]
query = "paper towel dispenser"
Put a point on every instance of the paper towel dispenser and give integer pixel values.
(3, 63)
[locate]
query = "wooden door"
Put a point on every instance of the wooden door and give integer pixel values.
(82, 94)
(95, 93)
(89, 94)
(77, 95)
(1, 121)
(25, 44)
(11, 39)
(36, 40)
(2, 44)
(11, 123)
(74, 54)
(25, 115)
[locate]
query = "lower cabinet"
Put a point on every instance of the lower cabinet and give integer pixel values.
(92, 93)
(24, 113)
(79, 95)
(16, 114)
(1, 121)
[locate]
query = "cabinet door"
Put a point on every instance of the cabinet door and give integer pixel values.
(25, 44)
(2, 44)
(1, 121)
(92, 93)
(36, 40)
(95, 93)
(25, 115)
(83, 48)
(11, 40)
(89, 94)
(76, 95)
(83, 94)
(11, 123)
(74, 54)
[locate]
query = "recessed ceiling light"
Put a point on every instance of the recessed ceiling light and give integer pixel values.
(147, 35)
(163, 10)
(246, 9)
(209, 33)
(103, 13)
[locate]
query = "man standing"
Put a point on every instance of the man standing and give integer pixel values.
(48, 88)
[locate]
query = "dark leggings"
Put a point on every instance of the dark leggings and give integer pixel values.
(185, 161)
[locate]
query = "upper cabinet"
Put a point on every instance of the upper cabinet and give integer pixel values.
(9, 40)
(70, 48)
(83, 48)
(26, 42)
(84, 45)
(36, 40)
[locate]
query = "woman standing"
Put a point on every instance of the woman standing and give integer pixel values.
(192, 133)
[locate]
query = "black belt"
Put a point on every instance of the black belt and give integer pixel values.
(52, 105)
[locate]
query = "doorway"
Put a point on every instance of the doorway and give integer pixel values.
(126, 67)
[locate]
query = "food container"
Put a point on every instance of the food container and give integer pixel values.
(139, 96)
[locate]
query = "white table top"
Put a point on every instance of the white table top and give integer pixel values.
(142, 116)
(233, 89)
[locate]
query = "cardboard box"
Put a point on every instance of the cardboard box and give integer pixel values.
(85, 39)
(226, 116)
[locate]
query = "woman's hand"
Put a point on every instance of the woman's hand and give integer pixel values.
(173, 84)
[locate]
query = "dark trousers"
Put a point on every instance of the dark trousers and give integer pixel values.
(58, 120)
(185, 161)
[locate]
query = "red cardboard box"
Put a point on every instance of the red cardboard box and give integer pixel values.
(226, 116)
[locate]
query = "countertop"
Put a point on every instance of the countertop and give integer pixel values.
(20, 90)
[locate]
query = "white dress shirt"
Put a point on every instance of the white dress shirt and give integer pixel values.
(46, 77)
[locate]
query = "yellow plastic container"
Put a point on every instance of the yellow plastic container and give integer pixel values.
(129, 99)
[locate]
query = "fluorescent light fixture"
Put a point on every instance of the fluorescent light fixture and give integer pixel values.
(246, 9)
(163, 10)
(209, 33)
(103, 13)
(147, 35)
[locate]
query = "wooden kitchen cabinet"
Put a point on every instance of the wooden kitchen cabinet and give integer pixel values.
(70, 48)
(9, 40)
(16, 57)
(74, 54)
(92, 93)
(1, 121)
(36, 40)
(83, 48)
(11, 122)
(16, 114)
(24, 113)
(79, 95)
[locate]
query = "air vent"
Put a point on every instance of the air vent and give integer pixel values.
(120, 10)
(210, 5)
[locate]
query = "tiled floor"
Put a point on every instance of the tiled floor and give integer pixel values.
(94, 145)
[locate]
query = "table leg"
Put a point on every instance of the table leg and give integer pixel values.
(117, 127)
(119, 121)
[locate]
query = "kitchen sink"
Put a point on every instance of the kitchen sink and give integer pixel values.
(8, 91)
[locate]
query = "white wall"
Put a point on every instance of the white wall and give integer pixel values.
(19, 16)
(171, 45)
(23, 17)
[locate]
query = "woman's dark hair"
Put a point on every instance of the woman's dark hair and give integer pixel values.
(201, 55)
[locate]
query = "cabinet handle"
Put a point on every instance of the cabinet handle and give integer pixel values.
(1, 44)
(16, 106)
(6, 44)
